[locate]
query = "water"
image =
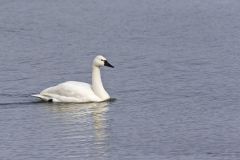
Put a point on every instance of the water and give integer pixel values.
(176, 79)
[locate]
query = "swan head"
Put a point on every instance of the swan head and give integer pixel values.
(101, 61)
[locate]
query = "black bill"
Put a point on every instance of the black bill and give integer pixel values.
(106, 63)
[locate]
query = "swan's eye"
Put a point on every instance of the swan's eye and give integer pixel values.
(102, 60)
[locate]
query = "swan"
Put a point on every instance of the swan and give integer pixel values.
(79, 92)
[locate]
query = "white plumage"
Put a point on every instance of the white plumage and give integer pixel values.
(79, 92)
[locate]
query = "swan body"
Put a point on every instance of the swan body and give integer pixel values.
(79, 92)
(70, 91)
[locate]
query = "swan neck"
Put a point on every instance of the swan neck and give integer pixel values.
(97, 85)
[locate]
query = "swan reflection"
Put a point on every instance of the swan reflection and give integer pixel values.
(83, 123)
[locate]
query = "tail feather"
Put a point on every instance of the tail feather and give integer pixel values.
(42, 97)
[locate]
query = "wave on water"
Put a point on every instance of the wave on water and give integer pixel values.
(19, 103)
(36, 102)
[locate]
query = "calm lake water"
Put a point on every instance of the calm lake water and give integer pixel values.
(176, 79)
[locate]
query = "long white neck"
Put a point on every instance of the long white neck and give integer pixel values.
(97, 85)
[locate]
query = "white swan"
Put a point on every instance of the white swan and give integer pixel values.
(79, 92)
